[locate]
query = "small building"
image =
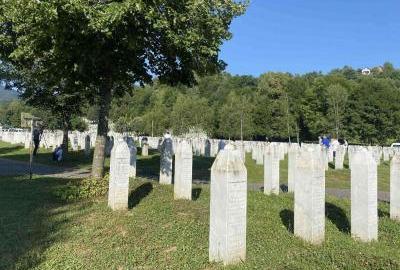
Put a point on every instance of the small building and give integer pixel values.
(366, 71)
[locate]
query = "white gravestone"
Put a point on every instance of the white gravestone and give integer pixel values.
(259, 154)
(166, 162)
(119, 176)
(271, 170)
(87, 145)
(292, 155)
(74, 142)
(364, 197)
(132, 160)
(339, 157)
(183, 171)
(395, 188)
(309, 196)
(145, 149)
(228, 208)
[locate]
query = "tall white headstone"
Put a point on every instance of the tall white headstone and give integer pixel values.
(183, 171)
(292, 155)
(87, 145)
(132, 160)
(271, 170)
(228, 208)
(309, 197)
(259, 154)
(118, 191)
(145, 149)
(339, 157)
(364, 197)
(166, 161)
(395, 188)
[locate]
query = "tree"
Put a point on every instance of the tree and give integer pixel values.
(191, 111)
(108, 46)
(337, 100)
(272, 114)
(235, 118)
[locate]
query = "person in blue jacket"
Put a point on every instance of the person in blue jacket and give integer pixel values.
(326, 142)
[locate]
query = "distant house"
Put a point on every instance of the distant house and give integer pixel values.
(366, 71)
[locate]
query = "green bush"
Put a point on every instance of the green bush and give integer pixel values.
(85, 189)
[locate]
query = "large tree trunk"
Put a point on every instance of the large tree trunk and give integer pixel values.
(66, 126)
(102, 130)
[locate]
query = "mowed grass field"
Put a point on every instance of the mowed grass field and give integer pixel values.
(40, 231)
(148, 167)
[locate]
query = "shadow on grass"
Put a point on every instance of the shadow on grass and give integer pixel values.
(338, 217)
(148, 167)
(287, 217)
(139, 194)
(6, 150)
(30, 221)
(196, 193)
(331, 165)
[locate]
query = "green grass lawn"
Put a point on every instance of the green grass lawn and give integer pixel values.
(74, 159)
(39, 231)
(148, 167)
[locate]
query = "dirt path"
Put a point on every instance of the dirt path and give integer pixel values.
(13, 167)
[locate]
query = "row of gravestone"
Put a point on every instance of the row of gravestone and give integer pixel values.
(228, 199)
(51, 139)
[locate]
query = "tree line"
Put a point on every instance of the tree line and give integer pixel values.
(343, 103)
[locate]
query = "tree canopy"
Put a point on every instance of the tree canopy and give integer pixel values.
(362, 109)
(97, 50)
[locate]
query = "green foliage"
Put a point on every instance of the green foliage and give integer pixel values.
(84, 189)
(191, 111)
(10, 113)
(344, 103)
(337, 100)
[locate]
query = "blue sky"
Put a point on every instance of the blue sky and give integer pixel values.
(300, 36)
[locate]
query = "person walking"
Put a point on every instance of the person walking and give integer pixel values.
(37, 136)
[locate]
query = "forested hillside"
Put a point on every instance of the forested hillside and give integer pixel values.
(343, 103)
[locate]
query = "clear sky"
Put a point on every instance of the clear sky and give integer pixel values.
(301, 36)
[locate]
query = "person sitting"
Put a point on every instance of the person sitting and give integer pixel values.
(58, 153)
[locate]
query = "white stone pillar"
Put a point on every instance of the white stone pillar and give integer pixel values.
(132, 160)
(309, 197)
(386, 156)
(228, 208)
(118, 191)
(183, 171)
(292, 156)
(166, 162)
(87, 145)
(364, 197)
(145, 149)
(395, 188)
(259, 154)
(339, 157)
(271, 170)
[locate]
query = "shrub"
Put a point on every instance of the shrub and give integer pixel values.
(85, 189)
